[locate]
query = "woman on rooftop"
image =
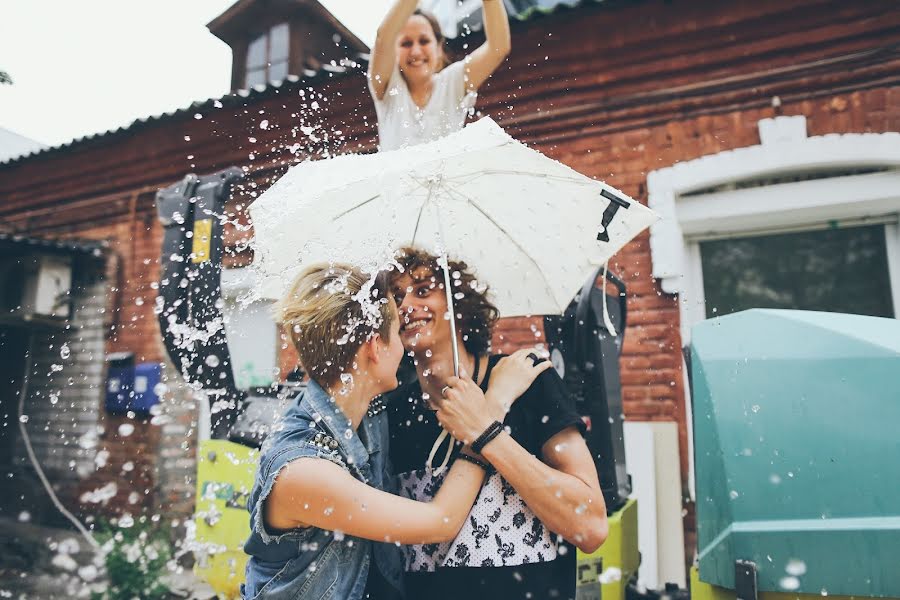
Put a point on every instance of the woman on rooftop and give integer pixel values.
(419, 95)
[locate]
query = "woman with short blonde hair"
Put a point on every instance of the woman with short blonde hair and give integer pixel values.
(321, 497)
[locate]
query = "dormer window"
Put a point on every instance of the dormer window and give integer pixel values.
(267, 56)
(273, 39)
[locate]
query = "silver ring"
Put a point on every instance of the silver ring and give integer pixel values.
(444, 391)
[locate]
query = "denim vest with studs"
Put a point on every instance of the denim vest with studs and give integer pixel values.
(314, 563)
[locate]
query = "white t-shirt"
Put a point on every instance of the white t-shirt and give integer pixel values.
(401, 123)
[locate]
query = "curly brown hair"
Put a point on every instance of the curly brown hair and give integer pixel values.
(475, 314)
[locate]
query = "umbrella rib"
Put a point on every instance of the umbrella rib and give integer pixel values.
(579, 180)
(513, 240)
(352, 208)
(418, 219)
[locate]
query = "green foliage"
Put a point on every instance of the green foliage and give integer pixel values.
(135, 559)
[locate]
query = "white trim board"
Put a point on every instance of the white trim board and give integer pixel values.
(651, 453)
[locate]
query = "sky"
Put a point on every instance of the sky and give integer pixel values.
(88, 66)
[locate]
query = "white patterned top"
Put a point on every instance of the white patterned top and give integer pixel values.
(500, 530)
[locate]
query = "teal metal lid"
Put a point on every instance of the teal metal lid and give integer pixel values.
(797, 450)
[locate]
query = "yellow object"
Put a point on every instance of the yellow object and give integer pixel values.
(701, 590)
(202, 239)
(225, 474)
(605, 572)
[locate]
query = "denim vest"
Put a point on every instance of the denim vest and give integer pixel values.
(314, 563)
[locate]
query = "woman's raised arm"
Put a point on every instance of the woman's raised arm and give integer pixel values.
(485, 59)
(381, 62)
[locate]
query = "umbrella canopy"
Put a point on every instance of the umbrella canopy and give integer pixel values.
(531, 228)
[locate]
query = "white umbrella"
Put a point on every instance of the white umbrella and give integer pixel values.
(532, 228)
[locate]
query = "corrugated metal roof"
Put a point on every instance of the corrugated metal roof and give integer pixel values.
(72, 246)
(360, 62)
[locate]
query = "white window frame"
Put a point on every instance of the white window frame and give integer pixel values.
(785, 149)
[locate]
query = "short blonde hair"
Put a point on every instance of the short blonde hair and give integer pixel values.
(330, 311)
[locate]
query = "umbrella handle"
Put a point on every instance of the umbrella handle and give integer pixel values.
(453, 343)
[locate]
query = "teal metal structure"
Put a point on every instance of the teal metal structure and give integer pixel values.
(797, 450)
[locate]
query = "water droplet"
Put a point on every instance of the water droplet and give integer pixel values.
(24, 516)
(579, 510)
(755, 408)
(789, 583)
(64, 351)
(795, 567)
(88, 573)
(23, 419)
(56, 368)
(126, 429)
(610, 575)
(126, 521)
(127, 467)
(264, 124)
(212, 361)
(774, 479)
(54, 397)
(88, 440)
(733, 494)
(338, 535)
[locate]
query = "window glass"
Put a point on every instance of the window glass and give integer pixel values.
(279, 43)
(835, 270)
(256, 77)
(278, 71)
(256, 53)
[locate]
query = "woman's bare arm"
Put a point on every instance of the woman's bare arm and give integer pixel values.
(316, 492)
(485, 59)
(384, 52)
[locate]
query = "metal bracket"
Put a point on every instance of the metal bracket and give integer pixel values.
(745, 580)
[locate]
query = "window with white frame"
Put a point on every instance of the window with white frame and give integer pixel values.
(795, 222)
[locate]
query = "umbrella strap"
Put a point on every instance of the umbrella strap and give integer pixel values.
(440, 439)
(607, 322)
(434, 448)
